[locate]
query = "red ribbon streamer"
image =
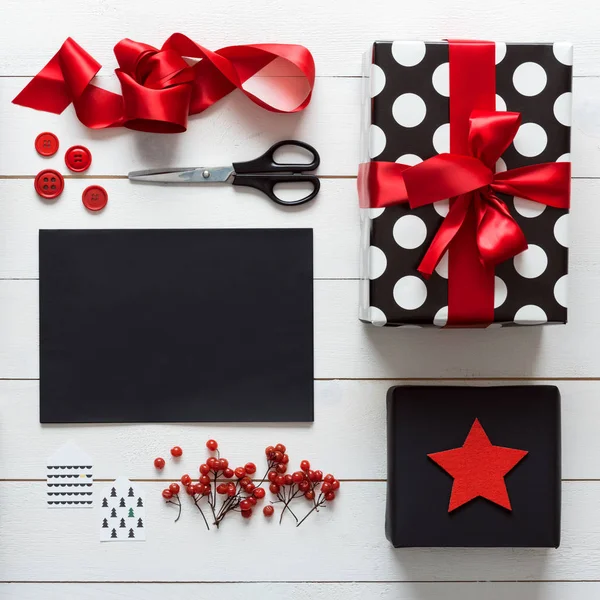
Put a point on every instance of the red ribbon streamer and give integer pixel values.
(160, 89)
(479, 231)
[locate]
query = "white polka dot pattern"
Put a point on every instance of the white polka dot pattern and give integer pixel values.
(377, 262)
(441, 79)
(529, 79)
(409, 110)
(531, 263)
(409, 232)
(530, 315)
(410, 103)
(408, 54)
(377, 80)
(410, 292)
(562, 109)
(528, 208)
(377, 141)
(531, 139)
(441, 317)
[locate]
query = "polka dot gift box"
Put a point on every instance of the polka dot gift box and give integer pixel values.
(464, 183)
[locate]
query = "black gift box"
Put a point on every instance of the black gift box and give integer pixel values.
(425, 420)
(406, 120)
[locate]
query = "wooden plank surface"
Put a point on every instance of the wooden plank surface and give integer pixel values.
(348, 436)
(342, 543)
(342, 553)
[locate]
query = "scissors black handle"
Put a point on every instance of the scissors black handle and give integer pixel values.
(264, 173)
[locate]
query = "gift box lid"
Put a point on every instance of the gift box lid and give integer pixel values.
(473, 466)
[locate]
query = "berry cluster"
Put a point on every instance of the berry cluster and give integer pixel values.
(310, 484)
(239, 492)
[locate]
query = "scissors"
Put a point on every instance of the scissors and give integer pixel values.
(262, 173)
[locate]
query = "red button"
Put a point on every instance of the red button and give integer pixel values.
(78, 158)
(49, 184)
(46, 144)
(94, 197)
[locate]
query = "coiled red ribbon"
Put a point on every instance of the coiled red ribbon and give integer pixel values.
(479, 230)
(160, 89)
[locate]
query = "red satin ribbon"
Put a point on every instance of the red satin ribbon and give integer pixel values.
(478, 230)
(160, 89)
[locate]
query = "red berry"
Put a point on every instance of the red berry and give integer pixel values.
(304, 486)
(213, 463)
(274, 488)
(250, 488)
(286, 459)
(281, 468)
(159, 463)
(204, 469)
(223, 464)
(310, 495)
(318, 475)
(212, 445)
(186, 479)
(297, 477)
(250, 468)
(245, 505)
(240, 472)
(329, 478)
(311, 475)
(305, 465)
(189, 489)
(166, 494)
(288, 480)
(280, 448)
(247, 513)
(174, 487)
(244, 481)
(228, 473)
(277, 456)
(198, 489)
(176, 451)
(252, 500)
(326, 487)
(280, 480)
(204, 480)
(269, 450)
(259, 493)
(230, 490)
(329, 496)
(222, 488)
(272, 476)
(335, 485)
(268, 511)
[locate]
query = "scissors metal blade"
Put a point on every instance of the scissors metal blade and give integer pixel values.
(191, 175)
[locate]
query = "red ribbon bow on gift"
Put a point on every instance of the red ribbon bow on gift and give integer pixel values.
(160, 89)
(472, 181)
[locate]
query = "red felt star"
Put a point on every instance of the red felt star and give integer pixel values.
(478, 469)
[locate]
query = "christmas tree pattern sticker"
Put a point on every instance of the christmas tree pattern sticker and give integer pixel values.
(69, 478)
(122, 512)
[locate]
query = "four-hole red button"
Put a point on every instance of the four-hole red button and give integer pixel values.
(49, 184)
(46, 144)
(78, 159)
(94, 197)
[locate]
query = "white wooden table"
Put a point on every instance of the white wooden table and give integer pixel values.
(340, 553)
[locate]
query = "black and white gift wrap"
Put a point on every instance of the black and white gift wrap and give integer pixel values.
(406, 120)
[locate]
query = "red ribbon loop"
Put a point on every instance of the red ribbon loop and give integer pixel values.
(472, 182)
(159, 87)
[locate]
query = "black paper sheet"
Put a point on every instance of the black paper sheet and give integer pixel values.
(429, 419)
(176, 325)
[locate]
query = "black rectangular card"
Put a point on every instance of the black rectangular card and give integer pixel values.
(176, 325)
